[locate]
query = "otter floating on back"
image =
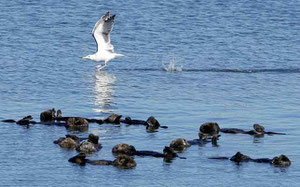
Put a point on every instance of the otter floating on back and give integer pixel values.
(26, 121)
(121, 161)
(151, 123)
(126, 149)
(72, 141)
(281, 161)
(259, 130)
(181, 144)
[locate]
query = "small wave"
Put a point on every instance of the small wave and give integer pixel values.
(171, 67)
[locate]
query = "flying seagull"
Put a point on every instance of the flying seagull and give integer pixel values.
(105, 50)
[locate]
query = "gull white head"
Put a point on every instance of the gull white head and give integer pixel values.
(91, 57)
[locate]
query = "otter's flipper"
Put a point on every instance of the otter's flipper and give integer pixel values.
(262, 160)
(99, 121)
(129, 121)
(100, 162)
(219, 158)
(79, 159)
(271, 133)
(9, 121)
(232, 130)
(198, 141)
(149, 153)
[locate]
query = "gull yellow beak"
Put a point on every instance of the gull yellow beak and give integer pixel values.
(84, 57)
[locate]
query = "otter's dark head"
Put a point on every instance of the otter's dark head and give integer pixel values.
(259, 128)
(53, 112)
(169, 152)
(59, 140)
(152, 123)
(239, 157)
(74, 137)
(128, 119)
(79, 159)
(281, 161)
(59, 114)
(93, 138)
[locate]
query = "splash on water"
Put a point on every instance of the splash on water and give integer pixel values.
(171, 67)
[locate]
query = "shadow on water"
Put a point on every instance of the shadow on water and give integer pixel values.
(104, 91)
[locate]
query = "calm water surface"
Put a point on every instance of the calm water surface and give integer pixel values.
(241, 65)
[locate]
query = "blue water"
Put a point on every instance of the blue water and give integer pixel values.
(240, 65)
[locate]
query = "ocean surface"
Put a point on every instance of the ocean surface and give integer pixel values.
(239, 62)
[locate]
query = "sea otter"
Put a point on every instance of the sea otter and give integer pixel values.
(181, 144)
(77, 123)
(24, 121)
(48, 116)
(259, 130)
(281, 161)
(207, 131)
(151, 123)
(130, 121)
(68, 142)
(89, 146)
(130, 150)
(72, 142)
(121, 161)
(209, 128)
(114, 119)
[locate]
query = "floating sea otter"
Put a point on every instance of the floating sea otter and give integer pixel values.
(72, 141)
(209, 128)
(168, 153)
(114, 119)
(259, 130)
(181, 144)
(90, 146)
(24, 121)
(121, 161)
(281, 161)
(77, 123)
(208, 132)
(48, 116)
(151, 123)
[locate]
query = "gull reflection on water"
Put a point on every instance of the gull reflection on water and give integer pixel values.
(104, 92)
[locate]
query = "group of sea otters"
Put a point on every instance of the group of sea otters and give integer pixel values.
(124, 153)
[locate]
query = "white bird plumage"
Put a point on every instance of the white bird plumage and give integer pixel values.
(105, 50)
